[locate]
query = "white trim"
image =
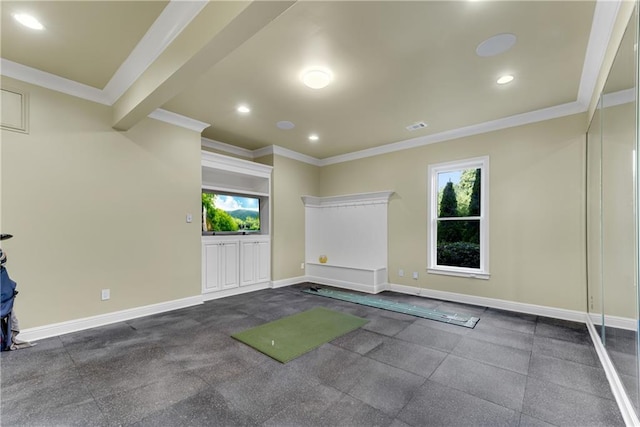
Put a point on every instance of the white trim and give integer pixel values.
(370, 289)
(285, 152)
(605, 14)
(231, 190)
(55, 329)
(617, 388)
(226, 148)
(625, 96)
(51, 81)
(482, 272)
(490, 126)
(175, 17)
(539, 310)
(378, 197)
(614, 321)
(459, 273)
(22, 124)
(178, 120)
(288, 282)
(235, 291)
(231, 164)
(604, 19)
(477, 129)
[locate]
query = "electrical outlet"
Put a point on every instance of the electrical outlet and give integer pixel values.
(302, 266)
(189, 218)
(401, 273)
(415, 275)
(106, 294)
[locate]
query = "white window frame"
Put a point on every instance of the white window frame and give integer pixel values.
(433, 171)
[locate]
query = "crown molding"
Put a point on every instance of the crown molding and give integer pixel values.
(231, 164)
(178, 120)
(51, 81)
(227, 148)
(285, 152)
(377, 197)
(504, 123)
(604, 19)
(261, 152)
(174, 18)
(507, 122)
(618, 98)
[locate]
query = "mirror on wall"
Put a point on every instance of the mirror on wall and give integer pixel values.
(594, 223)
(612, 216)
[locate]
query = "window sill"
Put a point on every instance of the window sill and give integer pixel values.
(468, 274)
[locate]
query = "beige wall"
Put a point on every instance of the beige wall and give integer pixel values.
(537, 249)
(93, 208)
(291, 179)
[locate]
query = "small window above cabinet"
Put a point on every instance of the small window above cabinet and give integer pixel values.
(235, 196)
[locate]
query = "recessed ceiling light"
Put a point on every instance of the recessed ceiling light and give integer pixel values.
(503, 80)
(285, 125)
(28, 21)
(313, 137)
(243, 109)
(496, 45)
(317, 77)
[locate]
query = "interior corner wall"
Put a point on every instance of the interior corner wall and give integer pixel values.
(537, 210)
(291, 179)
(92, 208)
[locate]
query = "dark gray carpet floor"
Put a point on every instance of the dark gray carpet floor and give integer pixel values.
(183, 369)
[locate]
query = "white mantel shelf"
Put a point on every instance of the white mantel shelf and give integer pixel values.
(378, 197)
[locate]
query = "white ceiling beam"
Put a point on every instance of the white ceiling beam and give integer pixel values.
(218, 30)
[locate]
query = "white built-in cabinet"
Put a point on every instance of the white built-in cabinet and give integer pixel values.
(255, 265)
(237, 263)
(221, 264)
(231, 262)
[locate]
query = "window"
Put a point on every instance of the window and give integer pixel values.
(459, 218)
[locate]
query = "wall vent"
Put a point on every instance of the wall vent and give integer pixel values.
(416, 126)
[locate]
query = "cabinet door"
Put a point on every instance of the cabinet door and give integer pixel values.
(248, 263)
(229, 264)
(263, 261)
(210, 261)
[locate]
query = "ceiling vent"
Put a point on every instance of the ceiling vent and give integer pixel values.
(416, 126)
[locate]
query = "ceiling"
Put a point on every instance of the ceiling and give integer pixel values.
(394, 63)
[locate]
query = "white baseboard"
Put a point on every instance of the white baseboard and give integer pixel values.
(370, 289)
(617, 388)
(614, 321)
(288, 282)
(235, 291)
(539, 310)
(55, 329)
